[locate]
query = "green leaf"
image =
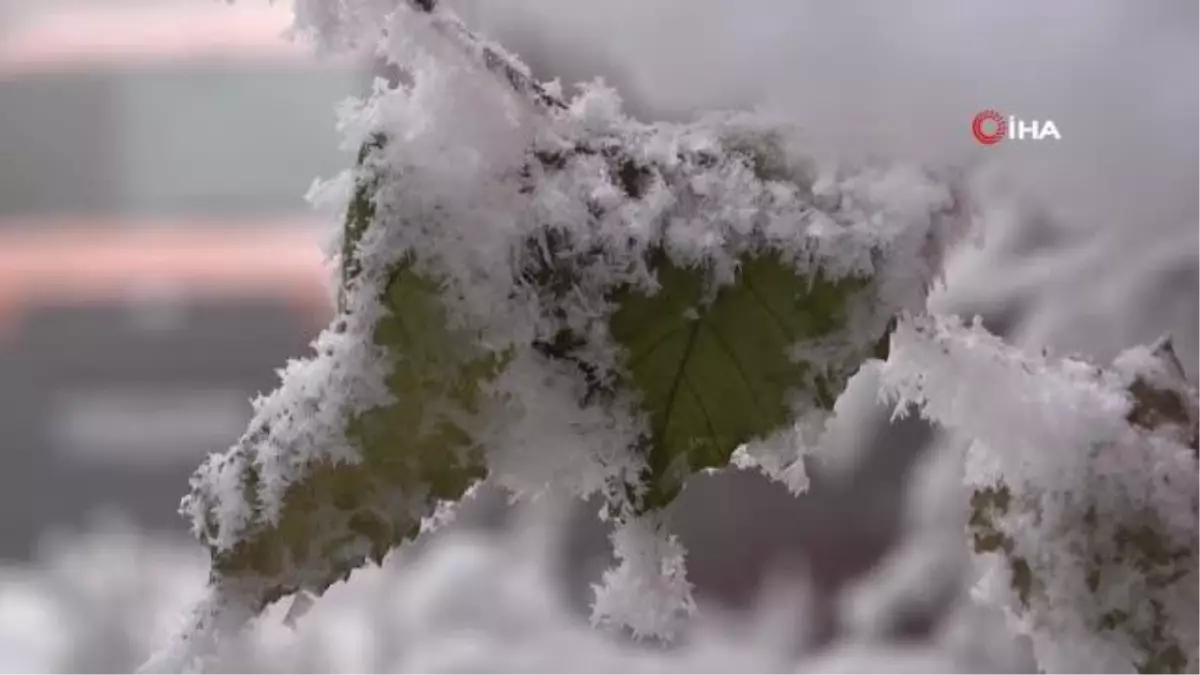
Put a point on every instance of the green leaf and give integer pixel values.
(414, 452)
(711, 373)
(716, 374)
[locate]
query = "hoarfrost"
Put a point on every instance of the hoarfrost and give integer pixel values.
(473, 168)
(1085, 489)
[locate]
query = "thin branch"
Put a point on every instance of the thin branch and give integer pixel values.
(491, 56)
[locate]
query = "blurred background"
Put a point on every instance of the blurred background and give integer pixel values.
(157, 257)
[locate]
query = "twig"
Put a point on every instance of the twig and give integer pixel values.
(492, 57)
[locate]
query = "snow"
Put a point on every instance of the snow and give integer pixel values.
(648, 592)
(468, 602)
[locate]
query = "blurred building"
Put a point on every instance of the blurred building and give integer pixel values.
(157, 257)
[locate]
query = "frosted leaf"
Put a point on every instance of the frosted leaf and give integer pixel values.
(356, 447)
(712, 383)
(1086, 489)
(546, 292)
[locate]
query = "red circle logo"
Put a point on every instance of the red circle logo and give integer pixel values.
(989, 127)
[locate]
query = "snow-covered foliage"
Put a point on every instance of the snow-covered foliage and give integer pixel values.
(541, 292)
(1086, 489)
(505, 246)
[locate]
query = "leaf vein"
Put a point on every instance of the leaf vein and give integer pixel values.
(708, 423)
(637, 358)
(669, 408)
(719, 338)
(783, 327)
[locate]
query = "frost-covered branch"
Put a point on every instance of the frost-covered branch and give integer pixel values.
(494, 58)
(1085, 487)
